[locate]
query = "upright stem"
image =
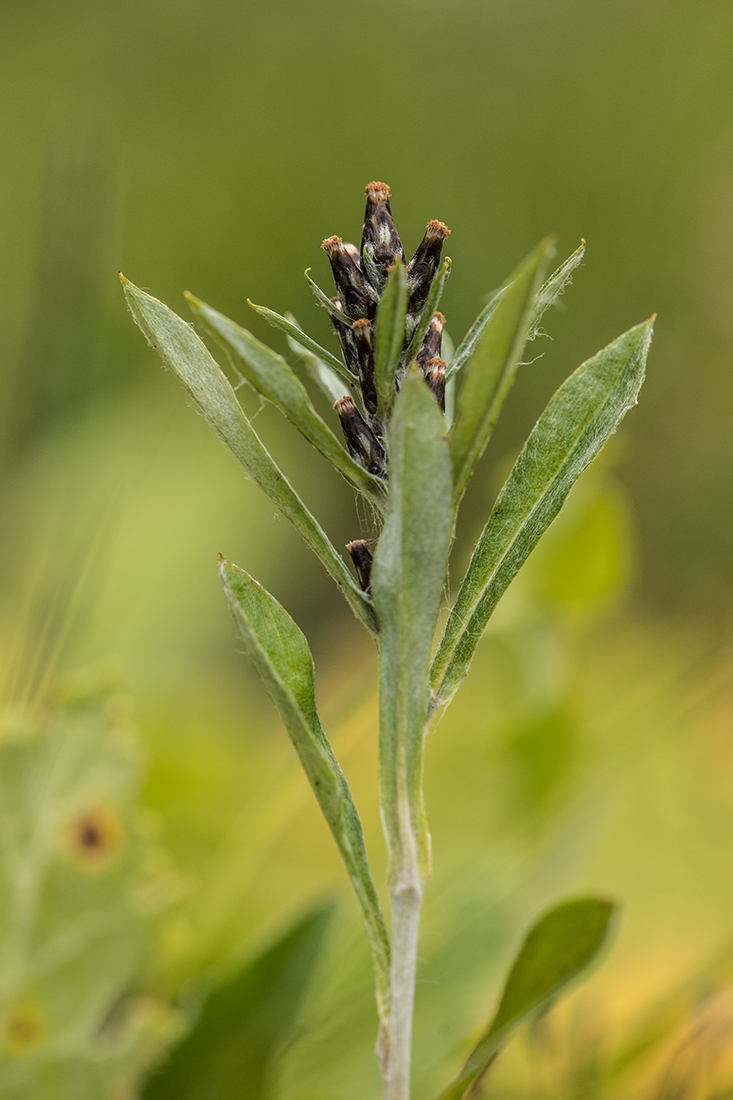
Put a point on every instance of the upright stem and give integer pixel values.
(406, 897)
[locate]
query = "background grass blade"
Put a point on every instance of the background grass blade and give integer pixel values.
(389, 338)
(280, 653)
(407, 583)
(277, 321)
(243, 1024)
(488, 378)
(272, 377)
(184, 353)
(559, 947)
(578, 420)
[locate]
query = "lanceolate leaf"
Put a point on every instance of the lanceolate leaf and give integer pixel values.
(389, 337)
(556, 951)
(277, 321)
(550, 291)
(243, 1024)
(407, 583)
(326, 302)
(431, 304)
(491, 372)
(280, 653)
(324, 377)
(184, 353)
(571, 431)
(272, 377)
(470, 341)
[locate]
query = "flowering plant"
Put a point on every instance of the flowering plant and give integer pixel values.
(416, 417)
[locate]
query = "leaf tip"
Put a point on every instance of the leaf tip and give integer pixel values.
(123, 280)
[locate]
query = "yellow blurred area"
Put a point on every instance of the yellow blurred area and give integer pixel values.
(212, 148)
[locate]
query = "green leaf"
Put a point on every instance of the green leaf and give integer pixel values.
(390, 337)
(243, 1024)
(431, 304)
(550, 291)
(326, 302)
(470, 341)
(491, 372)
(277, 321)
(580, 417)
(324, 377)
(272, 377)
(185, 354)
(280, 653)
(559, 947)
(407, 582)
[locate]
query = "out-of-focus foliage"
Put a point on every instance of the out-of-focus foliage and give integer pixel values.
(75, 903)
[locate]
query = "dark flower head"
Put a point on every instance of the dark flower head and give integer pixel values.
(362, 559)
(424, 264)
(380, 242)
(435, 375)
(363, 333)
(431, 345)
(363, 445)
(358, 298)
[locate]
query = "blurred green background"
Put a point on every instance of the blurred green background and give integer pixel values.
(212, 147)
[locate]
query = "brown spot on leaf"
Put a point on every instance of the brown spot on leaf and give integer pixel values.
(22, 1030)
(93, 836)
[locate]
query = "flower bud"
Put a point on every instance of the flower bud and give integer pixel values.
(435, 377)
(346, 339)
(362, 559)
(380, 242)
(361, 441)
(363, 335)
(357, 296)
(431, 345)
(423, 265)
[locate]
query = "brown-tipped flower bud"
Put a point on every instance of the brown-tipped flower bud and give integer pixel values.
(431, 345)
(363, 445)
(362, 559)
(363, 334)
(435, 377)
(346, 339)
(357, 296)
(380, 242)
(423, 265)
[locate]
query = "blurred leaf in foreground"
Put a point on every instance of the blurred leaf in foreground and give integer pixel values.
(243, 1024)
(557, 949)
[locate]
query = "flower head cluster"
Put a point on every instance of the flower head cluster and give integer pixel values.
(361, 278)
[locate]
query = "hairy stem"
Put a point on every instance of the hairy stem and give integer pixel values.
(406, 897)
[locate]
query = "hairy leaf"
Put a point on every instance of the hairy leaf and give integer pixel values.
(407, 583)
(580, 417)
(280, 653)
(184, 353)
(559, 947)
(272, 377)
(550, 291)
(277, 321)
(469, 343)
(389, 337)
(243, 1024)
(324, 377)
(489, 376)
